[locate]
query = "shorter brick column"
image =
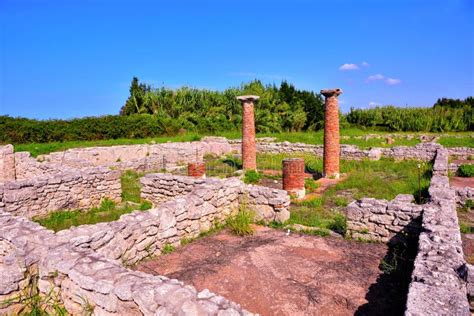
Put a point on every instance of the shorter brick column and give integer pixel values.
(293, 176)
(197, 169)
(249, 147)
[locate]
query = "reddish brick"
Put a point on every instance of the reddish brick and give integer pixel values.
(197, 169)
(249, 150)
(293, 176)
(331, 133)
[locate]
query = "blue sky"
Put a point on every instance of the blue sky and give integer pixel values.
(65, 59)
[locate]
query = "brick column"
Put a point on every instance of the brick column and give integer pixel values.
(331, 133)
(197, 169)
(249, 150)
(293, 176)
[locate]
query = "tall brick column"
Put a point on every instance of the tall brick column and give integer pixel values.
(293, 176)
(331, 133)
(249, 150)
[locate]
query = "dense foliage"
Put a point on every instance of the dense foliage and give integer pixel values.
(278, 109)
(466, 170)
(446, 115)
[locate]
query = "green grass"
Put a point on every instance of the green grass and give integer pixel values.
(466, 171)
(168, 248)
(37, 149)
(462, 140)
(107, 211)
(131, 186)
(350, 136)
(252, 177)
(240, 224)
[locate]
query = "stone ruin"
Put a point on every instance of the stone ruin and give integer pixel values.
(88, 266)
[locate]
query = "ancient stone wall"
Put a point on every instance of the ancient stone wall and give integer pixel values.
(422, 151)
(438, 284)
(463, 195)
(149, 157)
(268, 204)
(87, 282)
(74, 189)
(381, 220)
(7, 163)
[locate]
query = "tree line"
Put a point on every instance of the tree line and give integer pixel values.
(151, 112)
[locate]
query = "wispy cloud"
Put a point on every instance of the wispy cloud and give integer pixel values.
(373, 104)
(392, 81)
(345, 67)
(375, 77)
(380, 77)
(365, 64)
(259, 75)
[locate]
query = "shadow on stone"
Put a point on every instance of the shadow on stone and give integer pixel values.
(389, 294)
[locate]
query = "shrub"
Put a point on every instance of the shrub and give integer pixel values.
(252, 177)
(466, 171)
(339, 223)
(240, 224)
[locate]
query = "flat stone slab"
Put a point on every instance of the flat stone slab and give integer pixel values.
(272, 273)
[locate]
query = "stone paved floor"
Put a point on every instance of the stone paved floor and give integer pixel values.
(271, 273)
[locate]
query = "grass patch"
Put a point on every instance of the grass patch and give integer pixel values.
(131, 187)
(310, 185)
(37, 149)
(168, 248)
(240, 224)
(457, 140)
(252, 177)
(108, 210)
(466, 171)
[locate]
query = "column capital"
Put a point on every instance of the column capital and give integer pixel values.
(331, 92)
(248, 98)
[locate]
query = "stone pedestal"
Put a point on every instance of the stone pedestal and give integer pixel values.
(197, 169)
(7, 163)
(249, 150)
(293, 177)
(331, 133)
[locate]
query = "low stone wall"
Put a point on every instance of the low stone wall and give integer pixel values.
(87, 282)
(381, 220)
(147, 157)
(461, 152)
(422, 151)
(74, 189)
(7, 163)
(438, 284)
(463, 195)
(268, 204)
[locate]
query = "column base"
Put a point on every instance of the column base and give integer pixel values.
(299, 194)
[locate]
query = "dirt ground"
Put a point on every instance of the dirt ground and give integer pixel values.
(272, 273)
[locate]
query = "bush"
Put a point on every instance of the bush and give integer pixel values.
(466, 171)
(252, 177)
(240, 223)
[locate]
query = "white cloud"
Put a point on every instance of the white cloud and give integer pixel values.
(393, 81)
(348, 67)
(365, 64)
(375, 77)
(373, 104)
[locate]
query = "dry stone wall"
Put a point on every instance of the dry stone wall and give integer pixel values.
(422, 151)
(7, 163)
(87, 282)
(381, 220)
(268, 204)
(148, 157)
(438, 284)
(74, 189)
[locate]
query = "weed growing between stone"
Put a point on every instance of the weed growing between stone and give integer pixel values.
(32, 302)
(310, 185)
(252, 177)
(130, 182)
(168, 248)
(240, 224)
